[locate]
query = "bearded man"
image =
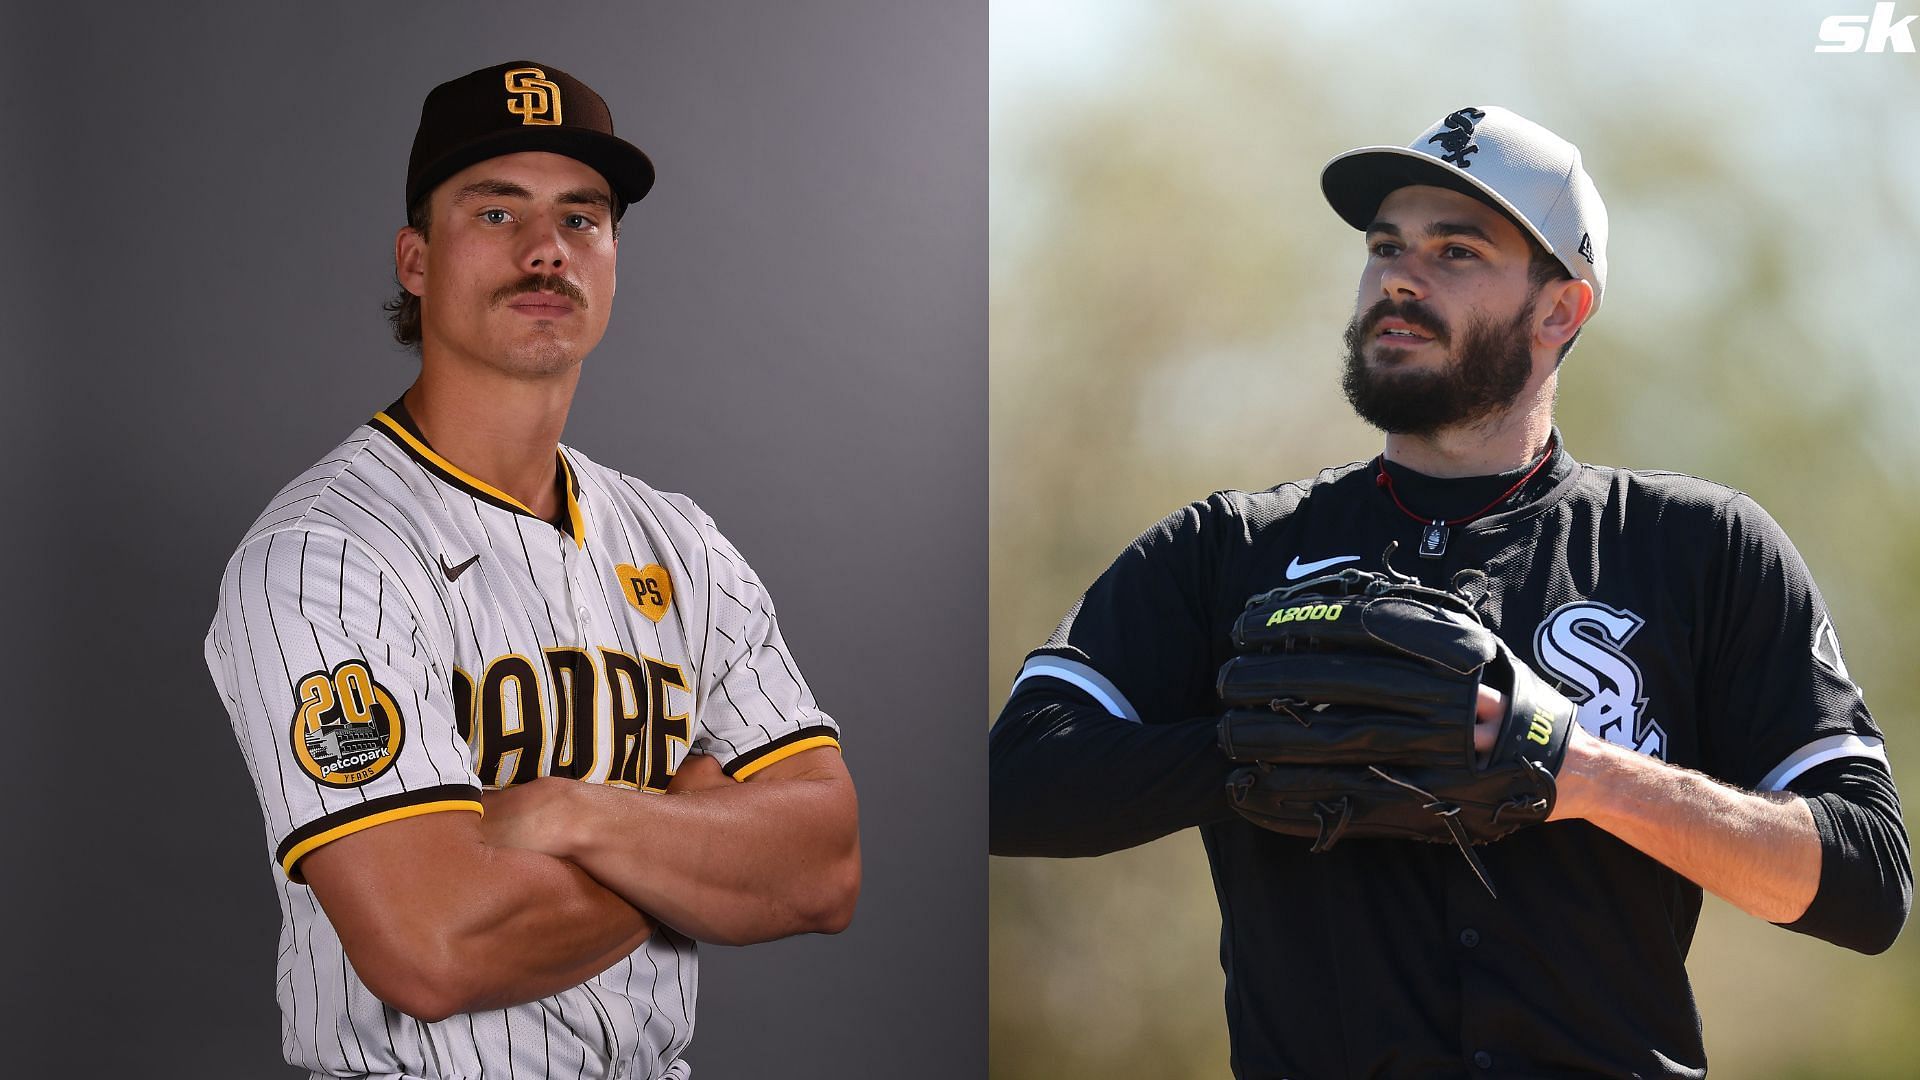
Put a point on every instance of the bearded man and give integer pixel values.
(1712, 737)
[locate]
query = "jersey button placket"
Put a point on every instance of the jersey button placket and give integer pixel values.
(582, 615)
(577, 568)
(1468, 908)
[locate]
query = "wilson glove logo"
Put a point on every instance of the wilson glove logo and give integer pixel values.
(1541, 729)
(1874, 33)
(535, 98)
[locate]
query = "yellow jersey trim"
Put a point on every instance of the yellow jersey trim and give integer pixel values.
(294, 854)
(576, 521)
(460, 474)
(573, 506)
(786, 752)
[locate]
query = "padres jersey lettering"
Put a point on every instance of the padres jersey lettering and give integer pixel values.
(1673, 611)
(394, 635)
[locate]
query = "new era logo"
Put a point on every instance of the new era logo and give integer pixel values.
(1866, 33)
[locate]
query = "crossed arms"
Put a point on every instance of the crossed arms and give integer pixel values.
(453, 912)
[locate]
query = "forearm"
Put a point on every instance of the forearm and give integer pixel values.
(1760, 853)
(551, 927)
(731, 865)
(1068, 780)
(725, 862)
(437, 921)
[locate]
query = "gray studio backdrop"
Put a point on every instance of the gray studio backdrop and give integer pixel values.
(201, 200)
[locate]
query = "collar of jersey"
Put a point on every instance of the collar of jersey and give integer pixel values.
(1553, 482)
(395, 423)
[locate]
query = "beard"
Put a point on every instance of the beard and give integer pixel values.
(1483, 375)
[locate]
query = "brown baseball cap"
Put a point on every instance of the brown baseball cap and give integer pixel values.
(517, 106)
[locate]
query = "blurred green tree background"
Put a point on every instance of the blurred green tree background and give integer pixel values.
(1167, 293)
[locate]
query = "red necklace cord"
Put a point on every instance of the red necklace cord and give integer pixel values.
(1385, 481)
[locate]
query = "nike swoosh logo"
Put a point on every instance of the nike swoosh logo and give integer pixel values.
(1297, 569)
(453, 572)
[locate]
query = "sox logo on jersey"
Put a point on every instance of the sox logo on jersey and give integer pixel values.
(1583, 644)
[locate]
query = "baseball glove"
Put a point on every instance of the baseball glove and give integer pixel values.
(1352, 703)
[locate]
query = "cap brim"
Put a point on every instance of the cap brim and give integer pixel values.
(629, 172)
(1358, 181)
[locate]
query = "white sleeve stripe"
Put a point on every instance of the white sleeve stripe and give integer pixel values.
(1821, 751)
(1095, 684)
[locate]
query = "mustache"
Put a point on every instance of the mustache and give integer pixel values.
(552, 283)
(1412, 312)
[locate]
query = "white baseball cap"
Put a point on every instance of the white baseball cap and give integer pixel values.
(1499, 157)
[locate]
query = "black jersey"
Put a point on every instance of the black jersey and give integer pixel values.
(1675, 613)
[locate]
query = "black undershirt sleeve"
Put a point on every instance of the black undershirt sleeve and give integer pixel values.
(1130, 757)
(1866, 867)
(1067, 778)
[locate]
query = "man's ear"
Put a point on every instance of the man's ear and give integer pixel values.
(1564, 308)
(410, 260)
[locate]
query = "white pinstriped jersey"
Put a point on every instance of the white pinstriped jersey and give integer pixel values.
(394, 635)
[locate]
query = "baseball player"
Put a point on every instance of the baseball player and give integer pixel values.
(523, 729)
(1690, 721)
